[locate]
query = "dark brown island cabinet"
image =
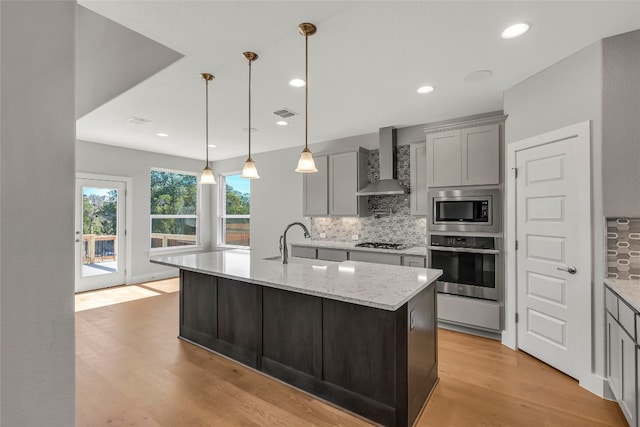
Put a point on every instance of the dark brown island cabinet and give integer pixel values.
(380, 364)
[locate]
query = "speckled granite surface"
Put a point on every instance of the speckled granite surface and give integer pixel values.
(629, 290)
(382, 286)
(416, 250)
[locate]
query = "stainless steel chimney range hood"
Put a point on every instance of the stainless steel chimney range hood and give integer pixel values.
(387, 185)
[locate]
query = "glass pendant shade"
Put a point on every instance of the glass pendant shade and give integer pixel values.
(306, 163)
(249, 170)
(207, 176)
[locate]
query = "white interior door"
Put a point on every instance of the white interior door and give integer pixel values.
(553, 256)
(100, 234)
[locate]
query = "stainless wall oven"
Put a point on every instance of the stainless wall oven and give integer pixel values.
(465, 210)
(471, 265)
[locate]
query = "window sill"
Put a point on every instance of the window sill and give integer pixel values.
(175, 250)
(223, 246)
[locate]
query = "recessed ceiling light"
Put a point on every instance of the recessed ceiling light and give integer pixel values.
(296, 83)
(516, 30)
(212, 146)
(282, 122)
(162, 134)
(425, 89)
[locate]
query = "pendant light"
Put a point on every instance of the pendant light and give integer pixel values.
(249, 170)
(306, 163)
(207, 174)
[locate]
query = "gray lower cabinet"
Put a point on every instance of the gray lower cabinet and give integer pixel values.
(329, 254)
(376, 257)
(623, 354)
(332, 254)
(414, 261)
(304, 252)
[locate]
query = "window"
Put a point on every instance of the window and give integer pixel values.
(235, 197)
(174, 209)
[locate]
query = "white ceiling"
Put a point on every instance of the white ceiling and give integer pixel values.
(365, 63)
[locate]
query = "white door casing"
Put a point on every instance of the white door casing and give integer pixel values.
(84, 281)
(551, 221)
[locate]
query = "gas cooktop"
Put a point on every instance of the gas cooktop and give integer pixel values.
(381, 245)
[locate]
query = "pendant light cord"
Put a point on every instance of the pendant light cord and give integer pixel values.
(250, 61)
(306, 89)
(206, 109)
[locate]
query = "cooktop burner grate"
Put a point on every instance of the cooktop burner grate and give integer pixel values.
(381, 245)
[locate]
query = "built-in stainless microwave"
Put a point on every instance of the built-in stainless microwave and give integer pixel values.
(465, 210)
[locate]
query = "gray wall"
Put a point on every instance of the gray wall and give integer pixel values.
(276, 198)
(621, 125)
(37, 137)
(567, 93)
(108, 160)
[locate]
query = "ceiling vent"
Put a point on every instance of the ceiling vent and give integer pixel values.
(138, 120)
(284, 113)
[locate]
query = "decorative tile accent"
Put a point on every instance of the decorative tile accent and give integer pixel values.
(623, 248)
(390, 217)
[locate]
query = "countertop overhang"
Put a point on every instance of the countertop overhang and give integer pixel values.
(386, 287)
(627, 289)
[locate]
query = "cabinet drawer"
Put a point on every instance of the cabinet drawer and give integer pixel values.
(611, 302)
(627, 318)
(414, 261)
(303, 252)
(375, 257)
(332, 254)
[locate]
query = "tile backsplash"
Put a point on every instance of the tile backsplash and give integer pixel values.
(623, 248)
(390, 217)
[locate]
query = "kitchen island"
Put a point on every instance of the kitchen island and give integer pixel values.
(360, 335)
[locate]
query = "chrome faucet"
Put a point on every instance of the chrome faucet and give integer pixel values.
(284, 252)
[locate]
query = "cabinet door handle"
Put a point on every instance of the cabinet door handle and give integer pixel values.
(570, 269)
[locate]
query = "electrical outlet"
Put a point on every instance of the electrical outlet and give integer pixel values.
(323, 235)
(354, 237)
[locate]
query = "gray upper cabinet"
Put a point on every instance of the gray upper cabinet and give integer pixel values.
(316, 189)
(418, 165)
(332, 190)
(347, 175)
(467, 156)
(443, 159)
(480, 153)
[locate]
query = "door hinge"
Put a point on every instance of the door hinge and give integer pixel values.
(515, 172)
(517, 318)
(516, 245)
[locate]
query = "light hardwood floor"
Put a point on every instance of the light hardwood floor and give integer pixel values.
(132, 370)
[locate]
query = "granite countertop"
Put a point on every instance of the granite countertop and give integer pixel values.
(382, 286)
(350, 246)
(627, 289)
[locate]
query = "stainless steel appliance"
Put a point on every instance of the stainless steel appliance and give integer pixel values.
(471, 265)
(465, 210)
(381, 245)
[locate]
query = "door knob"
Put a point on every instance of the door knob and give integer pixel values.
(570, 269)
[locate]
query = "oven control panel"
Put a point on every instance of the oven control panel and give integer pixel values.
(475, 242)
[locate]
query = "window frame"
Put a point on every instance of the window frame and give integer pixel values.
(184, 248)
(222, 211)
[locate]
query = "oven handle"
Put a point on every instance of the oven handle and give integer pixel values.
(468, 250)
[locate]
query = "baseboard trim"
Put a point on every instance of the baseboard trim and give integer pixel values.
(142, 278)
(595, 384)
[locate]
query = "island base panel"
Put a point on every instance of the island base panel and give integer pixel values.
(377, 363)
